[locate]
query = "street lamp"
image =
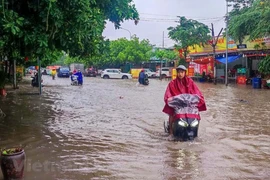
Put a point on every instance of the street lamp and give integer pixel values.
(227, 39)
(127, 31)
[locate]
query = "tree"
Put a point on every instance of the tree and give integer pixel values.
(264, 66)
(189, 33)
(37, 27)
(249, 19)
(164, 54)
(133, 51)
(121, 51)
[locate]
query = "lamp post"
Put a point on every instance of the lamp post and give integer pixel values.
(127, 31)
(227, 39)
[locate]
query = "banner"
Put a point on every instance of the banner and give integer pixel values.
(257, 44)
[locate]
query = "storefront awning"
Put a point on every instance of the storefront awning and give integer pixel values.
(230, 59)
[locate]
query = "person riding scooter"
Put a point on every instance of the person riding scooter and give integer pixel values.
(35, 80)
(143, 79)
(74, 80)
(79, 77)
(181, 85)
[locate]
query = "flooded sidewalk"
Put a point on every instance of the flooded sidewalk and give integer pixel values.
(113, 129)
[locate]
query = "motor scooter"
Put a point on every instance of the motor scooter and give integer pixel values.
(35, 81)
(187, 119)
(74, 80)
(146, 81)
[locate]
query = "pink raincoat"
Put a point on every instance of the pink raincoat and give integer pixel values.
(189, 90)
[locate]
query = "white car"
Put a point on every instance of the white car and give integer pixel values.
(115, 74)
(150, 72)
(165, 72)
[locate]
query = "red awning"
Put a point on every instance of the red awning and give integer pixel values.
(203, 60)
(256, 55)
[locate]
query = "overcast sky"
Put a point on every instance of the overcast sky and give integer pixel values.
(157, 15)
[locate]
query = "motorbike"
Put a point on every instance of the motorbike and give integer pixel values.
(146, 81)
(74, 80)
(187, 119)
(35, 81)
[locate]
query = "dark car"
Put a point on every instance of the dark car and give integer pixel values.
(63, 72)
(91, 72)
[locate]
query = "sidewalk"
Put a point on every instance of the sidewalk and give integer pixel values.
(24, 87)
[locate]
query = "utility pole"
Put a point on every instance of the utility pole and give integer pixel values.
(227, 39)
(163, 40)
(161, 59)
(39, 76)
(214, 44)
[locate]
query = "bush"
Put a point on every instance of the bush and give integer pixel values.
(264, 66)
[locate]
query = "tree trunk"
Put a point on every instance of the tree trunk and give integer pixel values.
(14, 75)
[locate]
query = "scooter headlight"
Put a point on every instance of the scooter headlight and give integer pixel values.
(183, 123)
(194, 123)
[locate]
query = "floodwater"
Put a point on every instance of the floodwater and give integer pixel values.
(113, 129)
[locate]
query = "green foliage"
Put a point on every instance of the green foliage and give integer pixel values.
(38, 28)
(165, 54)
(117, 52)
(122, 51)
(189, 33)
(239, 4)
(69, 60)
(251, 19)
(264, 66)
(135, 51)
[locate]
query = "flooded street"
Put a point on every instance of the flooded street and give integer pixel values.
(113, 129)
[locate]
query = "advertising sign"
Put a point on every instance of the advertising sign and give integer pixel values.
(263, 43)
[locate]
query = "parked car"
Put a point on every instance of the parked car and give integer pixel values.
(165, 72)
(115, 74)
(91, 72)
(150, 73)
(63, 72)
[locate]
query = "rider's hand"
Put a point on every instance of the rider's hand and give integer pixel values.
(170, 99)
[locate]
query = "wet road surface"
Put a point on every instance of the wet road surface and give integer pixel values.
(113, 129)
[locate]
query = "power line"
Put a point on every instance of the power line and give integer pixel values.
(189, 17)
(148, 20)
(176, 20)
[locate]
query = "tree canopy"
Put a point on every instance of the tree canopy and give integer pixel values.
(249, 18)
(264, 66)
(189, 33)
(36, 27)
(122, 51)
(165, 54)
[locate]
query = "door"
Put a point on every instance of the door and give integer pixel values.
(117, 74)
